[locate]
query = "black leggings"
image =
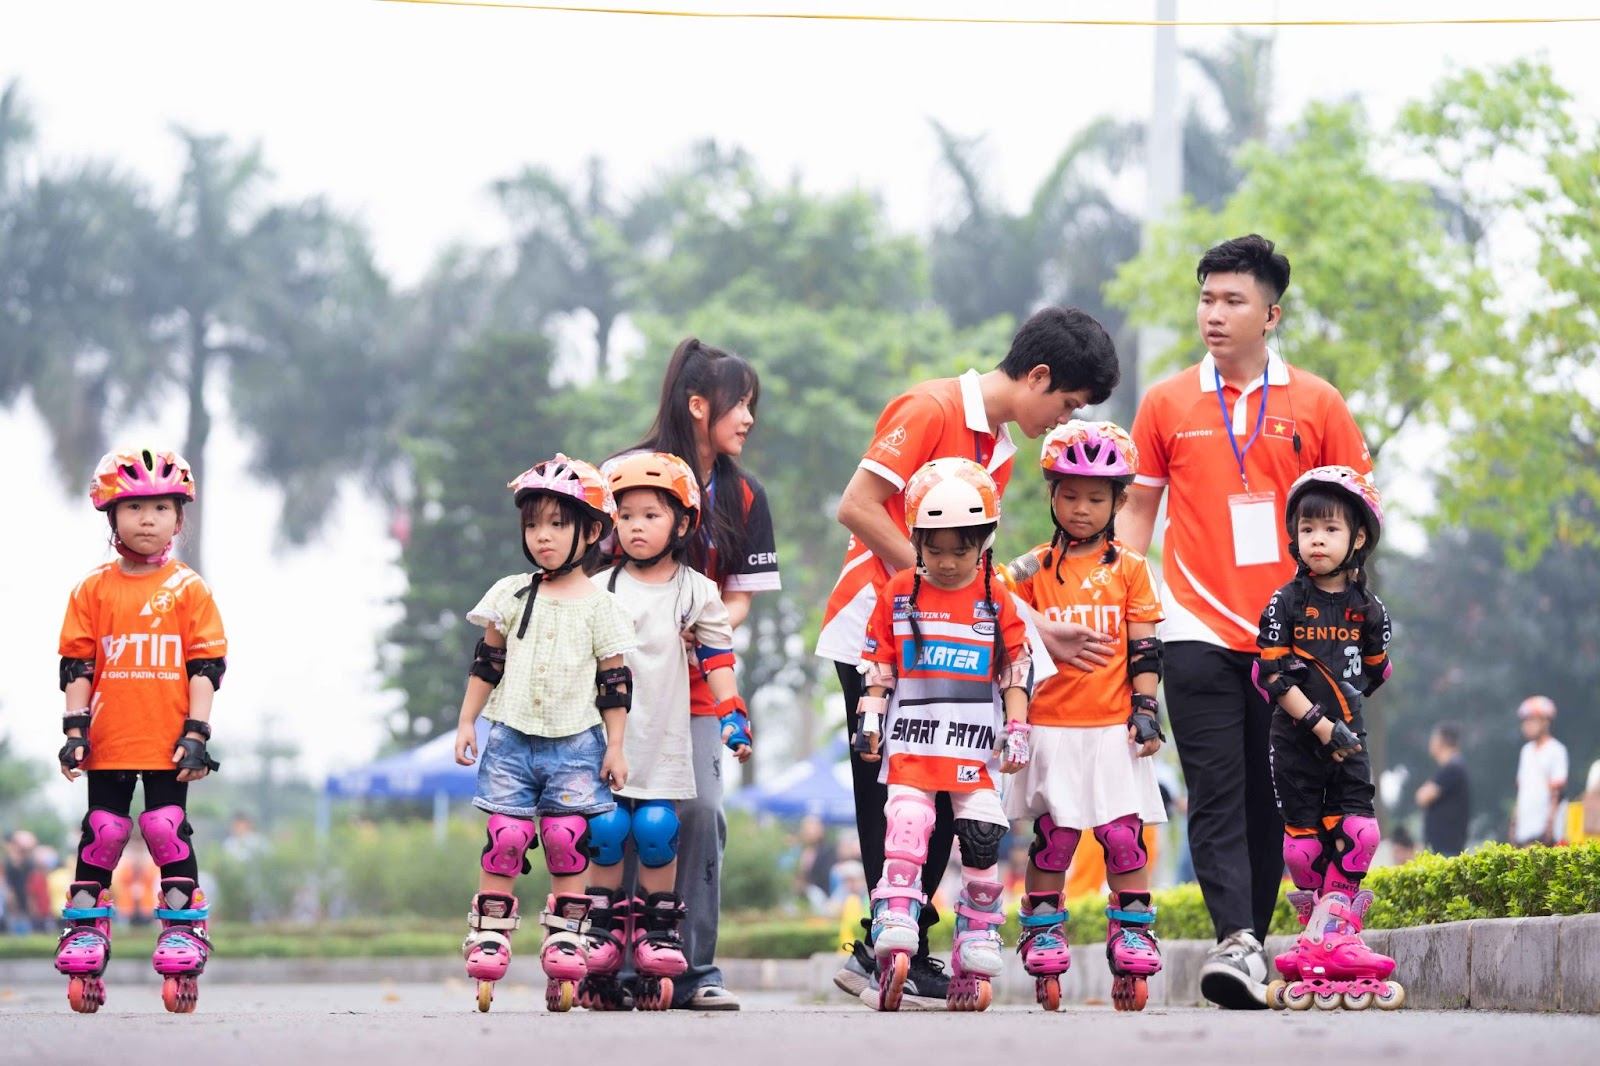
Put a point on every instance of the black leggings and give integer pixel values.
(113, 791)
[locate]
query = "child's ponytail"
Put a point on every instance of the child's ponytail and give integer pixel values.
(999, 660)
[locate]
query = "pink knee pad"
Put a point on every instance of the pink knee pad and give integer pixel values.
(1123, 842)
(166, 834)
(105, 834)
(509, 840)
(910, 822)
(1303, 856)
(1052, 845)
(566, 843)
(1353, 840)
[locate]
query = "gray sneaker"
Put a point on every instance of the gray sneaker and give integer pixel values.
(858, 971)
(1234, 976)
(926, 988)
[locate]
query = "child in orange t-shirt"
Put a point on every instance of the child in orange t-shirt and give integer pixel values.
(1091, 732)
(142, 652)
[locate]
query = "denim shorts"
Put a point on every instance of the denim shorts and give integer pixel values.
(525, 775)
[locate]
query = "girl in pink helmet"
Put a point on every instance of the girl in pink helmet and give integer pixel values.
(549, 674)
(142, 655)
(1092, 731)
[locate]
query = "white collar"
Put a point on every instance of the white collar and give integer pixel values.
(972, 404)
(1277, 373)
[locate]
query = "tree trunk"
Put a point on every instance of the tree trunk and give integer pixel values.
(194, 449)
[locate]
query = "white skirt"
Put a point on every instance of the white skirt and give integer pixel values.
(1084, 777)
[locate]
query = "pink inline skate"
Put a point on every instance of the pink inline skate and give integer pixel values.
(85, 945)
(183, 946)
(1131, 948)
(657, 948)
(975, 957)
(1043, 946)
(606, 946)
(565, 919)
(1330, 966)
(487, 948)
(896, 905)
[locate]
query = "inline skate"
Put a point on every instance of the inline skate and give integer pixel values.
(85, 945)
(566, 920)
(487, 948)
(654, 931)
(1131, 948)
(183, 945)
(606, 945)
(975, 957)
(1330, 966)
(1043, 945)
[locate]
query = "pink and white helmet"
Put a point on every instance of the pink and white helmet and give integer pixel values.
(1089, 449)
(572, 478)
(1355, 485)
(130, 473)
(1537, 707)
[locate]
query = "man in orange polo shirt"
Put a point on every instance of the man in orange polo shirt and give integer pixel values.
(1060, 360)
(1226, 439)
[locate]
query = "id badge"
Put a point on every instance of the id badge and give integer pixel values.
(1257, 534)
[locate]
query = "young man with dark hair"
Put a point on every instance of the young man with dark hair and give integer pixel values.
(1225, 439)
(1446, 797)
(1060, 360)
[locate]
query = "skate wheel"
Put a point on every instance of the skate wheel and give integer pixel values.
(1392, 998)
(1297, 998)
(485, 995)
(1048, 992)
(559, 996)
(984, 997)
(180, 995)
(1139, 994)
(1328, 1000)
(892, 981)
(85, 994)
(1275, 994)
(1358, 1000)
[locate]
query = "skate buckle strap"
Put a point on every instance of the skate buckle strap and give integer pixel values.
(1030, 920)
(196, 914)
(485, 923)
(980, 917)
(911, 892)
(74, 914)
(1132, 917)
(564, 925)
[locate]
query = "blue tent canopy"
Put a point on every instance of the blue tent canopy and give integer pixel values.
(426, 771)
(820, 785)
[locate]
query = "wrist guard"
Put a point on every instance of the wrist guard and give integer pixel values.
(73, 752)
(616, 688)
(732, 712)
(76, 720)
(195, 725)
(1018, 747)
(1145, 719)
(194, 755)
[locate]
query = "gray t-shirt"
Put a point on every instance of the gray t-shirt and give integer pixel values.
(657, 743)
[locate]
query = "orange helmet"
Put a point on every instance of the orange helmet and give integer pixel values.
(655, 470)
(1089, 449)
(951, 493)
(572, 478)
(129, 473)
(1537, 707)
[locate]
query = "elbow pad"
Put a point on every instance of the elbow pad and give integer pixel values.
(73, 669)
(210, 669)
(714, 658)
(616, 688)
(488, 663)
(1148, 650)
(1287, 669)
(1376, 673)
(877, 675)
(1018, 673)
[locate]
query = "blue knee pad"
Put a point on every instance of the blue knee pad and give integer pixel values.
(655, 832)
(608, 836)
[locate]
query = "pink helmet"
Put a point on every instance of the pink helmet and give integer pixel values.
(1537, 707)
(129, 473)
(1359, 487)
(1089, 449)
(572, 478)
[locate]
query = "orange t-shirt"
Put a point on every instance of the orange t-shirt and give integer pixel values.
(140, 630)
(1183, 445)
(932, 420)
(1105, 597)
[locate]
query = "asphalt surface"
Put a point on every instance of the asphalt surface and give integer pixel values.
(433, 1024)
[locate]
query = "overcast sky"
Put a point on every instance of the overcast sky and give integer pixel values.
(403, 113)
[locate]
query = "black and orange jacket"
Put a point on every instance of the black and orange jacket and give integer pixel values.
(1339, 641)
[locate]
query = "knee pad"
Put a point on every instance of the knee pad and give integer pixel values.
(566, 843)
(980, 843)
(1123, 842)
(1052, 846)
(166, 833)
(608, 836)
(509, 841)
(910, 820)
(105, 834)
(1352, 841)
(1303, 855)
(655, 833)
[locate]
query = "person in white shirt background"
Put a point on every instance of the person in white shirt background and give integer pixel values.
(1541, 776)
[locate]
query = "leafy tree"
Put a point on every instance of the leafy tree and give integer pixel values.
(1238, 77)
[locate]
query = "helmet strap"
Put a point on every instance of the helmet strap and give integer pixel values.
(160, 558)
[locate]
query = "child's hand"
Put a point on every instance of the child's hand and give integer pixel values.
(1148, 748)
(614, 767)
(870, 753)
(466, 744)
(741, 752)
(188, 774)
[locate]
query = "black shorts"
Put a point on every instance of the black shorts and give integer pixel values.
(1309, 786)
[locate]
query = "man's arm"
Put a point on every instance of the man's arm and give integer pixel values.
(862, 512)
(1428, 794)
(1136, 525)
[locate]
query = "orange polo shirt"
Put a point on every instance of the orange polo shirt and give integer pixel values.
(1182, 439)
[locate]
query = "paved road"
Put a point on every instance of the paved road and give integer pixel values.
(437, 1024)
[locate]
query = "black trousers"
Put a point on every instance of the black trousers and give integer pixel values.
(1222, 727)
(871, 824)
(113, 790)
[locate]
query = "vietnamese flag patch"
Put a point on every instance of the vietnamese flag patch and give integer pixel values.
(1282, 428)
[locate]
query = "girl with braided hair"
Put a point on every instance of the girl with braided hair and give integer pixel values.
(946, 666)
